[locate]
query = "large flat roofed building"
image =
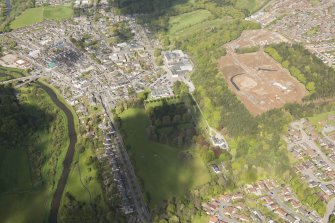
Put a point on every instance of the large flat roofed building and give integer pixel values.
(177, 62)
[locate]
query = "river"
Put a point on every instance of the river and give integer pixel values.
(69, 154)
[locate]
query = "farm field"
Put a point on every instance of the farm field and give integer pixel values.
(40, 14)
(25, 196)
(159, 167)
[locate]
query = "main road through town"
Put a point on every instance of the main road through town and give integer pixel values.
(131, 180)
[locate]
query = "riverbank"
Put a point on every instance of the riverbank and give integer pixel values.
(57, 100)
(29, 171)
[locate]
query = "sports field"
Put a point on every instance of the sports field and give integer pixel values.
(160, 167)
(40, 14)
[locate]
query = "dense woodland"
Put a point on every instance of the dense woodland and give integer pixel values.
(171, 124)
(16, 124)
(318, 78)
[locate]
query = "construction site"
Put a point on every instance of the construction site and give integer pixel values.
(257, 79)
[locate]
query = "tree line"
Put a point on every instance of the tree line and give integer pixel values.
(318, 78)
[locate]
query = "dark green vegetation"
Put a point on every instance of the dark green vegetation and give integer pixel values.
(332, 218)
(120, 32)
(10, 11)
(247, 50)
(318, 78)
(33, 143)
(171, 124)
(7, 73)
(307, 195)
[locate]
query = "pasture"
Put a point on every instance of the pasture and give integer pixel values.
(36, 15)
(160, 168)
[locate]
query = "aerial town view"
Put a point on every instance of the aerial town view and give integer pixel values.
(174, 111)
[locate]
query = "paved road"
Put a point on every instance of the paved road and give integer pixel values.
(329, 210)
(274, 194)
(31, 77)
(306, 139)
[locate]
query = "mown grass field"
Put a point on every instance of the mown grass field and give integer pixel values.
(37, 15)
(23, 198)
(183, 21)
(159, 167)
(251, 5)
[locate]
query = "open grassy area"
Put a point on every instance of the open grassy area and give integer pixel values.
(194, 29)
(28, 174)
(250, 5)
(82, 182)
(183, 21)
(159, 167)
(318, 120)
(201, 219)
(36, 15)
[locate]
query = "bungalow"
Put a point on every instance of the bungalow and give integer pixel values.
(268, 200)
(229, 211)
(237, 197)
(292, 219)
(280, 212)
(214, 219)
(295, 204)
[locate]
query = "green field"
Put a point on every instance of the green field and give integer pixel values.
(250, 5)
(25, 196)
(40, 14)
(159, 167)
(201, 219)
(323, 117)
(83, 184)
(199, 27)
(183, 21)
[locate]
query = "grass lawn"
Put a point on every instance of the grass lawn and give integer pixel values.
(194, 29)
(180, 22)
(323, 117)
(23, 198)
(201, 219)
(158, 166)
(251, 5)
(82, 171)
(36, 15)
